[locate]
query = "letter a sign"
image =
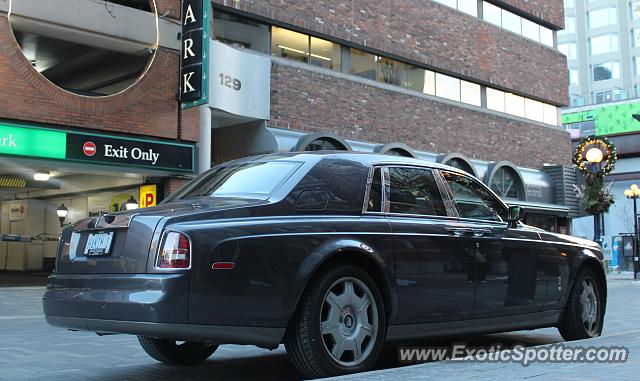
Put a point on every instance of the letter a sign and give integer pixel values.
(194, 54)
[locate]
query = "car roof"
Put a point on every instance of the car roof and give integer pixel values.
(364, 158)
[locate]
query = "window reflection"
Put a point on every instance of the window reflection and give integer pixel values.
(470, 93)
(289, 44)
(447, 87)
(363, 64)
(391, 71)
(325, 54)
(241, 32)
(514, 104)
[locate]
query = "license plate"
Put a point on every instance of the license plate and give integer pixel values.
(98, 244)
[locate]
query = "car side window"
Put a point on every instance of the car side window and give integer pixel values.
(473, 200)
(414, 191)
(374, 204)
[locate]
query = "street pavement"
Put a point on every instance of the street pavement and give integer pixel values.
(32, 350)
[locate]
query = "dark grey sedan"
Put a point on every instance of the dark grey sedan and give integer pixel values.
(332, 254)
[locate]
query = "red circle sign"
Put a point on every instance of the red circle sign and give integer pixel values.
(89, 148)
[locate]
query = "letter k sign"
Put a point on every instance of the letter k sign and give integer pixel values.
(186, 82)
(8, 141)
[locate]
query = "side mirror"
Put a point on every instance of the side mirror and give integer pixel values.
(516, 213)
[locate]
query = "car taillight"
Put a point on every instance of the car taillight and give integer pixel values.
(175, 252)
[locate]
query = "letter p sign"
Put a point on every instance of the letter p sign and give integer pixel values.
(148, 194)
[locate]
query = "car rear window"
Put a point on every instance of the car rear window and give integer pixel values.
(250, 180)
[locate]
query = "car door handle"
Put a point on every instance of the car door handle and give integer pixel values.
(460, 232)
(482, 233)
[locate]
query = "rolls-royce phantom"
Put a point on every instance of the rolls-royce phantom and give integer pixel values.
(331, 253)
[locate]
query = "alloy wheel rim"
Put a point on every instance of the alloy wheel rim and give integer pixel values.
(589, 306)
(349, 321)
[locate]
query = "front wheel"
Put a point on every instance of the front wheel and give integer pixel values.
(174, 352)
(584, 314)
(339, 326)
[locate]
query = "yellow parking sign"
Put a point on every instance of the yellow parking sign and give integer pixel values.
(148, 195)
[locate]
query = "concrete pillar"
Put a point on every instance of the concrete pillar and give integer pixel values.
(204, 141)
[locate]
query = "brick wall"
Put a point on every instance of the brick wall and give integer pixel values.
(147, 108)
(551, 12)
(314, 101)
(432, 34)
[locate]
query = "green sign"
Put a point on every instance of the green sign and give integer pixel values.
(611, 119)
(23, 140)
(15, 140)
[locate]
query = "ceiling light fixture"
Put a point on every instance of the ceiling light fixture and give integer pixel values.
(305, 53)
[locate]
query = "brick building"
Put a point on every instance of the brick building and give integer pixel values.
(471, 83)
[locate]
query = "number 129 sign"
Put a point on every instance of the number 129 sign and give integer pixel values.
(230, 82)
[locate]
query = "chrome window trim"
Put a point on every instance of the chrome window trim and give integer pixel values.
(367, 192)
(386, 190)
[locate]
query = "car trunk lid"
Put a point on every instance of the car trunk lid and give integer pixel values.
(120, 243)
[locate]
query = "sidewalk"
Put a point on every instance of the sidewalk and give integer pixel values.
(622, 328)
(22, 279)
(454, 370)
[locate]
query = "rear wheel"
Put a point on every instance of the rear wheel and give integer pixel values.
(339, 325)
(584, 313)
(176, 352)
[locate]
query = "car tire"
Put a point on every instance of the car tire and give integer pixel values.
(344, 332)
(170, 352)
(584, 313)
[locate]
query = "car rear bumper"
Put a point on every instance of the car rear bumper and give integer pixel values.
(219, 334)
(139, 304)
(158, 298)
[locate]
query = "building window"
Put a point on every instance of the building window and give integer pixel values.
(635, 10)
(391, 71)
(573, 77)
(636, 38)
(470, 93)
(289, 44)
(447, 87)
(534, 110)
(514, 105)
(421, 80)
(602, 96)
(506, 183)
(604, 44)
(495, 100)
(325, 144)
(530, 30)
(240, 32)
(491, 13)
(550, 114)
(603, 17)
(546, 36)
(516, 24)
(363, 64)
(604, 71)
(467, 6)
(522, 107)
(461, 164)
(569, 3)
(636, 65)
(511, 22)
(325, 54)
(569, 25)
(569, 49)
